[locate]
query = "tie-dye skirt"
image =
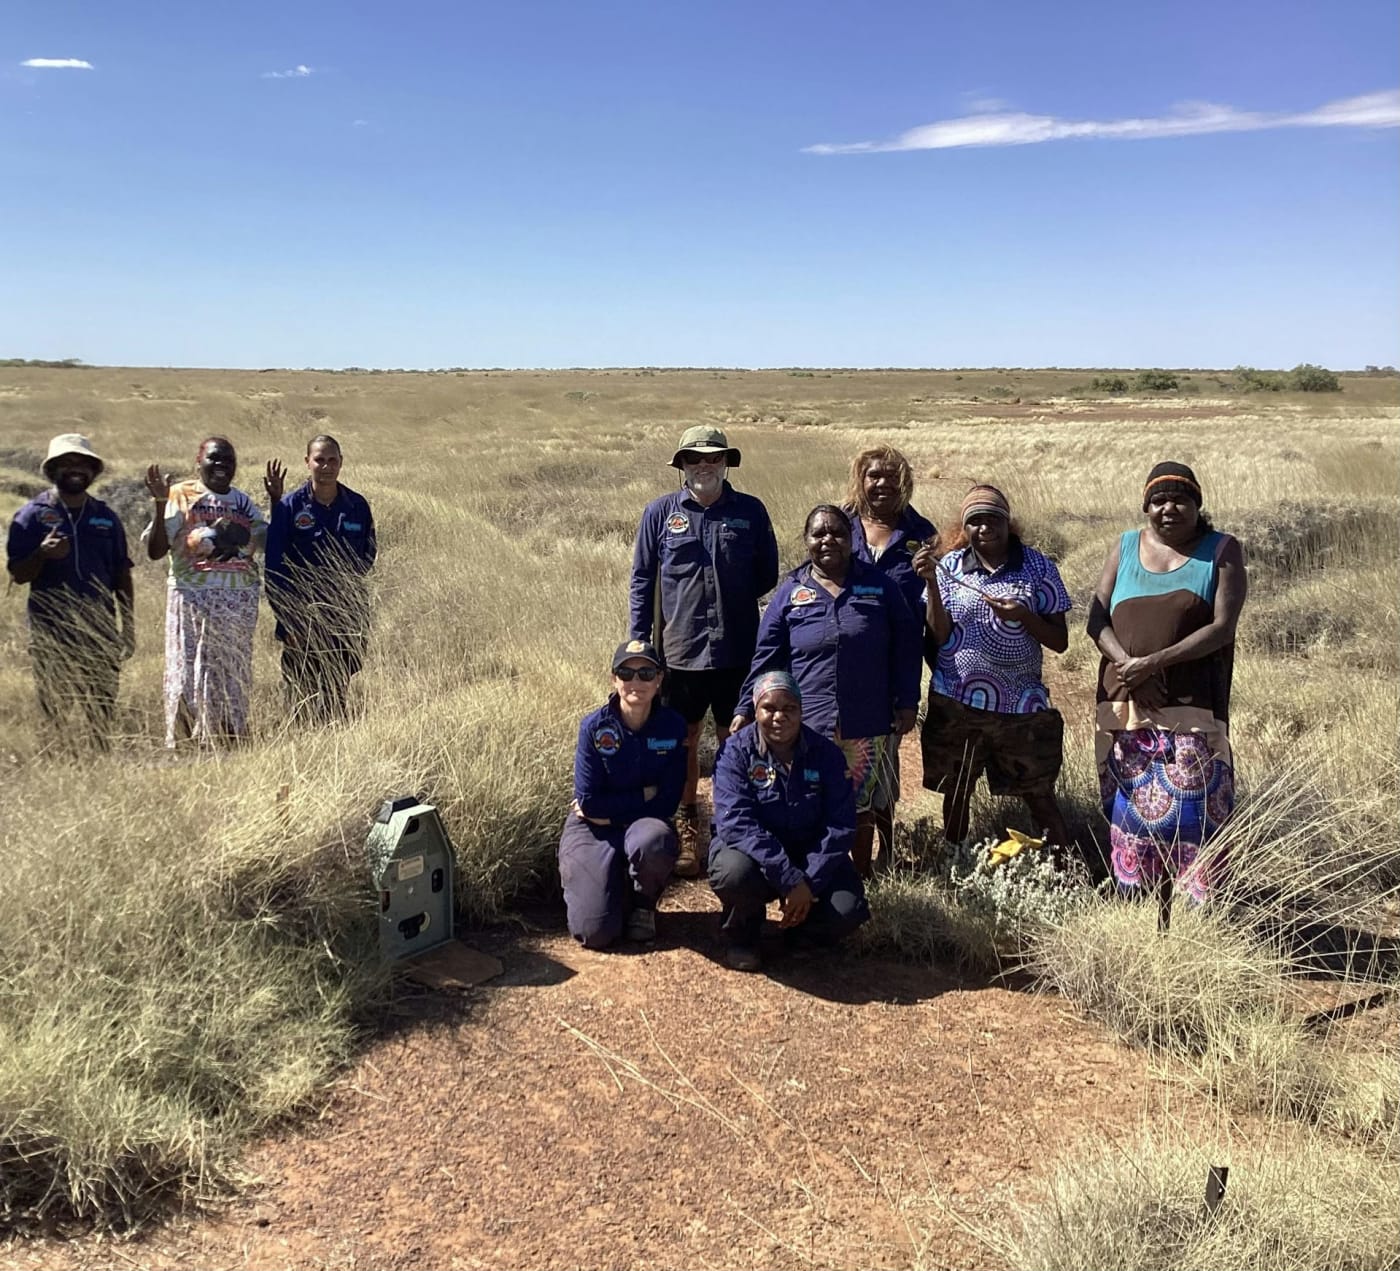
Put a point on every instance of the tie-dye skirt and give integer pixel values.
(1164, 794)
(208, 662)
(869, 767)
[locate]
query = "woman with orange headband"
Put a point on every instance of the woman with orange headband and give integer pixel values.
(1164, 616)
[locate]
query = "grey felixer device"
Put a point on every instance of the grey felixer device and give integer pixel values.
(410, 863)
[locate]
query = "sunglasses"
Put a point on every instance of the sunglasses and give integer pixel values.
(629, 673)
(696, 456)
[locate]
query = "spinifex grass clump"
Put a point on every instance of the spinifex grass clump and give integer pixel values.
(1303, 1203)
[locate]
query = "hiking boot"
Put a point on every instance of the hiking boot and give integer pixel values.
(641, 925)
(690, 859)
(743, 957)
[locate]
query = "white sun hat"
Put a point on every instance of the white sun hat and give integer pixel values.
(71, 443)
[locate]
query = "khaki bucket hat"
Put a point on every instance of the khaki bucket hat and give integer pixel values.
(71, 443)
(708, 440)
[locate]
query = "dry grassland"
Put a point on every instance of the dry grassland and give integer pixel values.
(186, 956)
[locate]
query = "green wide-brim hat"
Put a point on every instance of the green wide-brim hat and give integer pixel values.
(707, 440)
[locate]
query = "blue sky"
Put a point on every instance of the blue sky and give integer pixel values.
(570, 183)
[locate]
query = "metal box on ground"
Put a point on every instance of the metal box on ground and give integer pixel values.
(410, 863)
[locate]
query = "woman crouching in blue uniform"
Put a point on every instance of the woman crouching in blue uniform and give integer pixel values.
(619, 846)
(785, 820)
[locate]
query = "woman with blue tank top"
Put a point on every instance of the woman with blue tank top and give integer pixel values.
(1164, 616)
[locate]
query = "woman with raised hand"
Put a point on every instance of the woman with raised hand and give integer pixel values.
(991, 606)
(785, 823)
(619, 842)
(210, 530)
(1164, 617)
(320, 546)
(887, 531)
(844, 631)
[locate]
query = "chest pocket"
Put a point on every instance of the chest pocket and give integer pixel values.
(682, 555)
(734, 544)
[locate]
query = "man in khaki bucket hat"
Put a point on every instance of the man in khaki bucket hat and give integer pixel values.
(705, 554)
(70, 548)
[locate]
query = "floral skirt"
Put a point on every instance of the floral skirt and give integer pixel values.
(208, 662)
(1164, 794)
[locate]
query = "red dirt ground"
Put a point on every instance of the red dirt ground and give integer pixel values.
(654, 1109)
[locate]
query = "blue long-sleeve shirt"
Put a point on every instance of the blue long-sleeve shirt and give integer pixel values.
(795, 824)
(613, 765)
(96, 564)
(897, 559)
(713, 564)
(855, 655)
(317, 551)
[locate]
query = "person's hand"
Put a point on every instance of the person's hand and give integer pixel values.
(1008, 608)
(796, 905)
(904, 720)
(592, 820)
(157, 483)
(1134, 672)
(275, 479)
(55, 546)
(649, 793)
(738, 722)
(925, 563)
(127, 641)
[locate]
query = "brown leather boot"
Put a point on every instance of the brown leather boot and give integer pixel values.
(690, 859)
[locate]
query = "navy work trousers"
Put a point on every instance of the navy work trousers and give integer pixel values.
(745, 894)
(608, 870)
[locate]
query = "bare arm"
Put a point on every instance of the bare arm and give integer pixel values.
(1100, 623)
(935, 615)
(158, 487)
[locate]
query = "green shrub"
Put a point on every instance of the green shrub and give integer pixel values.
(1109, 384)
(1307, 378)
(1156, 382)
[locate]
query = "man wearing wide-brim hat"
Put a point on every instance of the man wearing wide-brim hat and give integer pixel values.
(704, 557)
(71, 550)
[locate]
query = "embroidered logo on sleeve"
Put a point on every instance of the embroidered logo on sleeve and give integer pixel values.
(607, 739)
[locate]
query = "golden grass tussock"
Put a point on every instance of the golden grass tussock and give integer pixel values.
(1302, 1202)
(190, 951)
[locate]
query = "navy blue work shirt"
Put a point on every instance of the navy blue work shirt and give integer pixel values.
(713, 564)
(795, 823)
(96, 562)
(613, 765)
(897, 558)
(855, 655)
(318, 551)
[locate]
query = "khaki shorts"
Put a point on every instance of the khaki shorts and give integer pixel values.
(1021, 754)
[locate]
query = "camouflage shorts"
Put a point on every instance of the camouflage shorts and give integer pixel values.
(1021, 754)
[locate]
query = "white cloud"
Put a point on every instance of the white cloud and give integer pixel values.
(57, 64)
(297, 72)
(1374, 110)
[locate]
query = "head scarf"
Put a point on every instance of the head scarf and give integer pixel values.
(770, 680)
(983, 499)
(1171, 478)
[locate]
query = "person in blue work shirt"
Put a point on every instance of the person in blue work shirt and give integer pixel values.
(618, 846)
(843, 630)
(704, 558)
(320, 545)
(785, 823)
(886, 531)
(71, 550)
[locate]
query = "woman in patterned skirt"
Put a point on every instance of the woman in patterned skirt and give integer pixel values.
(210, 530)
(992, 605)
(1164, 616)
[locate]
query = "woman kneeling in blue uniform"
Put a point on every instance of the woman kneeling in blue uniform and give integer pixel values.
(785, 819)
(619, 845)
